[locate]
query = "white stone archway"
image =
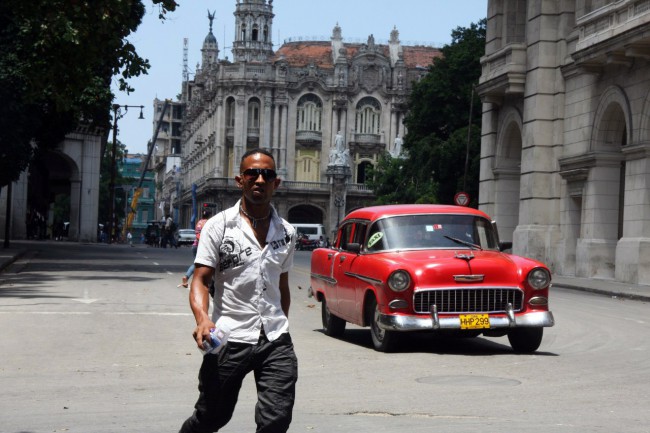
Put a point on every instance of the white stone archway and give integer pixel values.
(602, 218)
(507, 173)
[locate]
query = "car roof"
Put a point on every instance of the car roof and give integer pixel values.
(375, 212)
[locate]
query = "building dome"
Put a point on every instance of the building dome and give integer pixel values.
(210, 39)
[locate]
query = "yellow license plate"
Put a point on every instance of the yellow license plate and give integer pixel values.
(474, 321)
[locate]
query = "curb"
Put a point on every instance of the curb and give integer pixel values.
(5, 264)
(611, 293)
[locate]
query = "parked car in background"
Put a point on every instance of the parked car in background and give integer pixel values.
(435, 268)
(309, 235)
(185, 236)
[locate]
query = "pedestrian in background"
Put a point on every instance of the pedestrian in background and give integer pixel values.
(197, 232)
(248, 249)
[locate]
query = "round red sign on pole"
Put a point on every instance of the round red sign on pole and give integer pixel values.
(461, 199)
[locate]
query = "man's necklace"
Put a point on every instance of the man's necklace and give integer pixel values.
(252, 219)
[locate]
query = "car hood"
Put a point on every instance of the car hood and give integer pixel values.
(446, 267)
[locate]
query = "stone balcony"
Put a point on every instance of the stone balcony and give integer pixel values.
(611, 21)
(367, 140)
(614, 34)
(253, 134)
(504, 71)
(309, 137)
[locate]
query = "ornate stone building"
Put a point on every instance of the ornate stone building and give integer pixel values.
(566, 133)
(294, 101)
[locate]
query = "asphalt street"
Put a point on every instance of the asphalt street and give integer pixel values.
(97, 338)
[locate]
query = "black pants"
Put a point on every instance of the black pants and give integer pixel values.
(276, 371)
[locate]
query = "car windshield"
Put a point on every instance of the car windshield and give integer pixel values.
(431, 231)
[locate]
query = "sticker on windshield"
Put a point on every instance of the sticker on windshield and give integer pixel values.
(433, 227)
(374, 239)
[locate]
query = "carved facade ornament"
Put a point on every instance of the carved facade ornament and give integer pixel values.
(371, 78)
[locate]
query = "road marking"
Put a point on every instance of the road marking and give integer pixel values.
(148, 313)
(88, 313)
(156, 263)
(85, 299)
(65, 313)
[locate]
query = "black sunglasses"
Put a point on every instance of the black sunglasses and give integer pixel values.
(254, 173)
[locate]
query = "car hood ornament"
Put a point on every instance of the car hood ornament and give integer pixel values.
(462, 256)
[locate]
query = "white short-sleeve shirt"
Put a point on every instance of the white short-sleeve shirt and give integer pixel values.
(247, 276)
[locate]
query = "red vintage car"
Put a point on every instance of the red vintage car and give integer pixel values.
(438, 268)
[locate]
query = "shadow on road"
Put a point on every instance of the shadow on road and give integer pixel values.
(423, 342)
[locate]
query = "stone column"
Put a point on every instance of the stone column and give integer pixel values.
(633, 249)
(240, 133)
(538, 231)
(276, 130)
(220, 138)
(393, 129)
(596, 248)
(19, 206)
(290, 142)
(486, 188)
(282, 156)
(265, 132)
(75, 201)
(338, 178)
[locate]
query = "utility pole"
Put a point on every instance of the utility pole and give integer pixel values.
(117, 114)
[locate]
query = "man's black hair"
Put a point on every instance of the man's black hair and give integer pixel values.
(254, 151)
(206, 214)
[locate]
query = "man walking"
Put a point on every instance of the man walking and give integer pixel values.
(205, 216)
(248, 249)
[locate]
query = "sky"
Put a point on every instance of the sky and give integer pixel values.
(427, 22)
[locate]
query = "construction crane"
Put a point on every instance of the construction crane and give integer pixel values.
(133, 210)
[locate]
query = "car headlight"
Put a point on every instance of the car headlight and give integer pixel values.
(539, 278)
(399, 281)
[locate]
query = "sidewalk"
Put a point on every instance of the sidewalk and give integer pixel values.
(602, 287)
(11, 254)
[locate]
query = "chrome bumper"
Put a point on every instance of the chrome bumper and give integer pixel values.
(433, 322)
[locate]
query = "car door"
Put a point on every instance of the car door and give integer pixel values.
(348, 285)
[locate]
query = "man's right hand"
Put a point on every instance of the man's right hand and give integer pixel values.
(202, 332)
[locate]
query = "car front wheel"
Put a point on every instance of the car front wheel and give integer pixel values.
(333, 325)
(382, 340)
(525, 340)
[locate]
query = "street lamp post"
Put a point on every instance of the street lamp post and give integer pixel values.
(117, 115)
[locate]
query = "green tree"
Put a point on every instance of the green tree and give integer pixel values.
(57, 59)
(393, 183)
(438, 120)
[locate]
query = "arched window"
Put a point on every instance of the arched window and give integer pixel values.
(255, 33)
(243, 32)
(266, 33)
(254, 113)
(368, 116)
(230, 113)
(310, 109)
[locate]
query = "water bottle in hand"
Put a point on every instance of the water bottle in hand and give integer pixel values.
(218, 339)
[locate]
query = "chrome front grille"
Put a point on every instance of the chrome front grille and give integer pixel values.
(468, 300)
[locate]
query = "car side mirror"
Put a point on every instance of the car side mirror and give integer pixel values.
(505, 246)
(353, 247)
